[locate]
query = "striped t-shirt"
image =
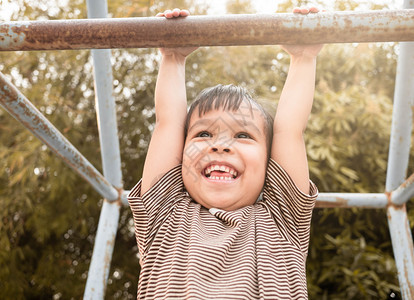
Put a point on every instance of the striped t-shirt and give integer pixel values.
(190, 252)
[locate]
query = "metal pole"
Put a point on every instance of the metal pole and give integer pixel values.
(401, 237)
(111, 161)
(404, 192)
(345, 200)
(330, 200)
(14, 102)
(252, 29)
(124, 197)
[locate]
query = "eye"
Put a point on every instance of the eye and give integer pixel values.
(243, 135)
(204, 134)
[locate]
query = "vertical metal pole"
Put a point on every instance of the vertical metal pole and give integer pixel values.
(111, 162)
(401, 237)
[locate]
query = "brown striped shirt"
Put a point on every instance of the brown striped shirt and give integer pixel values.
(190, 252)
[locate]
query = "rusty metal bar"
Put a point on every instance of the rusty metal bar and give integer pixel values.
(23, 110)
(347, 200)
(404, 192)
(251, 29)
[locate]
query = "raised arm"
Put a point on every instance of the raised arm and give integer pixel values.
(166, 147)
(295, 104)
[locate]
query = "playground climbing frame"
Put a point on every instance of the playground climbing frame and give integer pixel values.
(97, 33)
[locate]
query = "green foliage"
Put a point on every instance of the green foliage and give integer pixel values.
(350, 269)
(49, 214)
(351, 114)
(239, 7)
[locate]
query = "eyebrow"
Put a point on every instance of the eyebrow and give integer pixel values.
(199, 123)
(241, 122)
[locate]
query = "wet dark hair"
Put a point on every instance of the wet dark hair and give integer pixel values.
(229, 98)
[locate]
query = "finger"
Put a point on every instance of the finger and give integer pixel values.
(313, 9)
(176, 12)
(160, 15)
(168, 14)
(301, 10)
(184, 13)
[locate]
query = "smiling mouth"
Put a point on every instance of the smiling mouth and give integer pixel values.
(220, 172)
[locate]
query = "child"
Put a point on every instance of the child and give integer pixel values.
(201, 231)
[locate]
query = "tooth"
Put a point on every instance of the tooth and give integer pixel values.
(208, 170)
(221, 178)
(216, 168)
(235, 173)
(231, 172)
(222, 168)
(227, 169)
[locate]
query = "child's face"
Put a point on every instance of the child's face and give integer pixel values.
(225, 158)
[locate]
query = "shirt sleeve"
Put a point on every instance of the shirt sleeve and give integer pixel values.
(150, 210)
(290, 207)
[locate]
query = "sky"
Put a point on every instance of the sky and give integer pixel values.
(269, 6)
(262, 6)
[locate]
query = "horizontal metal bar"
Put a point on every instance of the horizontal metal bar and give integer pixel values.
(404, 192)
(227, 30)
(367, 200)
(331, 200)
(23, 110)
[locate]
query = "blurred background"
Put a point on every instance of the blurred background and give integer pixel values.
(49, 214)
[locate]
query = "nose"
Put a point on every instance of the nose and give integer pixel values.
(220, 147)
